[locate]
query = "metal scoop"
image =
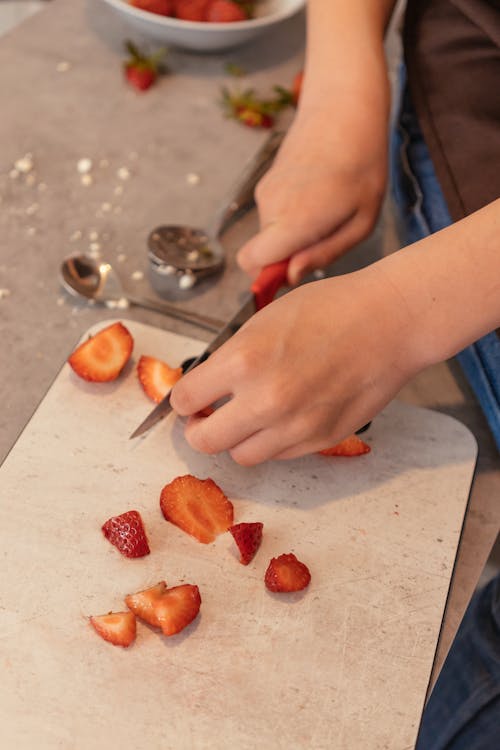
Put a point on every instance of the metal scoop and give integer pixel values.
(190, 254)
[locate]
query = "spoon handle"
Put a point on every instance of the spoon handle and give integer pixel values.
(196, 319)
(242, 193)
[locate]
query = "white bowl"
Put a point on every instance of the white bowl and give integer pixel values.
(207, 37)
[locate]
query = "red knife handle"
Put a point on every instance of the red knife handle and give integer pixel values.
(267, 283)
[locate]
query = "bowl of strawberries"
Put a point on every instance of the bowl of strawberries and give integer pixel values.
(205, 25)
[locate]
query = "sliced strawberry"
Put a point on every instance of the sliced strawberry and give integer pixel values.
(197, 506)
(156, 377)
(350, 446)
(127, 533)
(103, 356)
(286, 573)
(119, 628)
(160, 7)
(142, 602)
(248, 537)
(177, 607)
(225, 11)
(191, 10)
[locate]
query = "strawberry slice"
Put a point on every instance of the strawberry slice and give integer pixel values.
(127, 533)
(350, 446)
(103, 356)
(119, 628)
(248, 537)
(197, 506)
(141, 603)
(177, 607)
(156, 377)
(286, 573)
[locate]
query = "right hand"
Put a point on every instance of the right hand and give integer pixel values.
(322, 195)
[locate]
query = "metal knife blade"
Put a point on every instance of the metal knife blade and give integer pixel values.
(263, 290)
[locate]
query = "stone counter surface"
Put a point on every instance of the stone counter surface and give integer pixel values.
(64, 99)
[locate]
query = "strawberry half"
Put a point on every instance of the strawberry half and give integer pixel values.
(248, 537)
(197, 506)
(160, 7)
(225, 11)
(156, 377)
(350, 446)
(127, 534)
(190, 10)
(142, 602)
(119, 628)
(177, 607)
(285, 573)
(103, 356)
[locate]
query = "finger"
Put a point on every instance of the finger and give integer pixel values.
(273, 243)
(201, 387)
(325, 252)
(222, 430)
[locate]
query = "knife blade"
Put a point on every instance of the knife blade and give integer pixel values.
(262, 292)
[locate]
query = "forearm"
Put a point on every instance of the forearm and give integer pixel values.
(345, 58)
(449, 285)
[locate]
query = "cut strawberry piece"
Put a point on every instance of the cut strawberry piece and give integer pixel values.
(156, 377)
(191, 10)
(160, 7)
(177, 607)
(248, 537)
(286, 573)
(142, 603)
(103, 356)
(197, 506)
(127, 533)
(119, 628)
(350, 446)
(225, 11)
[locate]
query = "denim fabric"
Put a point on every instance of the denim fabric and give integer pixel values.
(422, 210)
(463, 711)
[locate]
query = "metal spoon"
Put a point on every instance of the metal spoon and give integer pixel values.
(191, 254)
(83, 276)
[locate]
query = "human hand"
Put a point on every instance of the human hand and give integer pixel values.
(321, 196)
(303, 373)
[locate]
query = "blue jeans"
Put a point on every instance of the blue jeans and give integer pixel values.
(463, 711)
(422, 211)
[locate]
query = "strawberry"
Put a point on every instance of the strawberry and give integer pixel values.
(297, 86)
(160, 7)
(350, 446)
(225, 11)
(177, 607)
(156, 377)
(142, 602)
(191, 10)
(197, 506)
(127, 534)
(103, 356)
(286, 573)
(248, 537)
(119, 628)
(252, 110)
(142, 70)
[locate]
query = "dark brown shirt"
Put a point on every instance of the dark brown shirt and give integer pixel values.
(452, 54)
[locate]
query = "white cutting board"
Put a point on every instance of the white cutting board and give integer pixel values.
(344, 664)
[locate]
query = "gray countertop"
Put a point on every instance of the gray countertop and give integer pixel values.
(64, 99)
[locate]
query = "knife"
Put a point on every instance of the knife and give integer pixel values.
(262, 292)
